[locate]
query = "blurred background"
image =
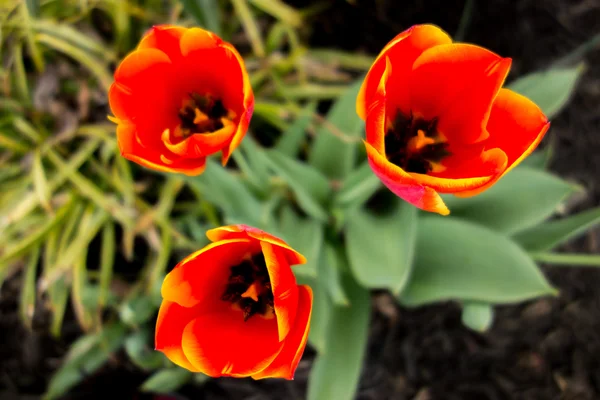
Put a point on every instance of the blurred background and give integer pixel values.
(85, 236)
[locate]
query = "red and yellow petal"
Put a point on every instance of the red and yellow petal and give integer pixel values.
(284, 287)
(245, 231)
(172, 320)
(165, 38)
(403, 50)
(516, 126)
(457, 83)
(223, 344)
(202, 276)
(132, 149)
(199, 144)
(287, 361)
(404, 185)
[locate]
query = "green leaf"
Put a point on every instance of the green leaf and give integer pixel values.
(381, 246)
(538, 159)
(464, 261)
(138, 349)
(222, 188)
(336, 142)
(329, 271)
(27, 300)
(304, 235)
(477, 316)
(568, 260)
(256, 161)
(280, 10)
(358, 186)
(336, 370)
(85, 356)
(550, 89)
(206, 13)
(550, 234)
(292, 138)
(521, 199)
(311, 188)
(94, 64)
(321, 312)
(167, 380)
(137, 310)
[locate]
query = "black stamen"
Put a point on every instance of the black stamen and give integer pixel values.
(398, 136)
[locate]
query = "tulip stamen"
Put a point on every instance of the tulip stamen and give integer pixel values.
(202, 114)
(249, 288)
(414, 144)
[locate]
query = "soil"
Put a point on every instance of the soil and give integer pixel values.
(545, 349)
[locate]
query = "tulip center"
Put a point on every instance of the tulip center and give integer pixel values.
(249, 288)
(202, 114)
(414, 144)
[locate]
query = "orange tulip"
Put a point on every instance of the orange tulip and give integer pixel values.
(439, 121)
(180, 96)
(234, 308)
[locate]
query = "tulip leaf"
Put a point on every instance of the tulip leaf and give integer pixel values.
(290, 141)
(139, 350)
(222, 188)
(521, 199)
(477, 316)
(460, 260)
(336, 371)
(167, 380)
(311, 188)
(329, 271)
(548, 235)
(550, 89)
(539, 159)
(381, 246)
(304, 235)
(259, 167)
(85, 356)
(206, 13)
(336, 142)
(321, 312)
(137, 310)
(358, 186)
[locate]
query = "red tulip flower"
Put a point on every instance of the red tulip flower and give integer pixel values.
(180, 96)
(234, 308)
(439, 121)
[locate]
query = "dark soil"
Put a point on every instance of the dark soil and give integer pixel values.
(545, 349)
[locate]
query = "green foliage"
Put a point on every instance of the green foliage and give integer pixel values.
(381, 246)
(477, 316)
(523, 198)
(459, 260)
(65, 189)
(337, 368)
(550, 89)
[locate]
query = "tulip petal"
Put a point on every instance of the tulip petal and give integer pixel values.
(284, 287)
(457, 84)
(403, 50)
(404, 185)
(223, 344)
(132, 149)
(172, 319)
(195, 39)
(141, 94)
(165, 38)
(202, 276)
(245, 231)
(516, 126)
(287, 361)
(199, 144)
(216, 71)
